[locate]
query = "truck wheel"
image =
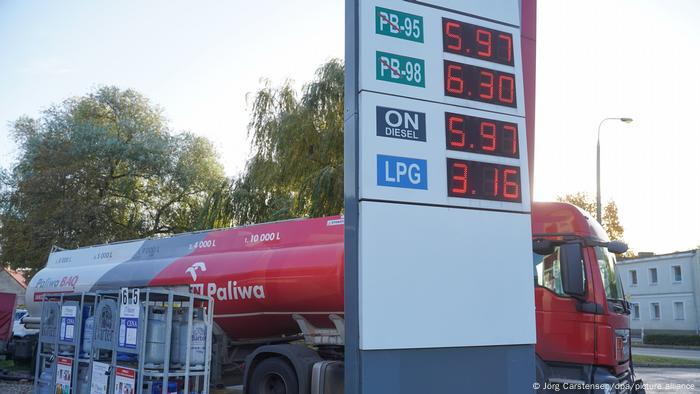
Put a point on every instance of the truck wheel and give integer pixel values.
(273, 376)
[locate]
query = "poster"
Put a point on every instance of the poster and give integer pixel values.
(68, 314)
(129, 318)
(100, 377)
(124, 381)
(64, 367)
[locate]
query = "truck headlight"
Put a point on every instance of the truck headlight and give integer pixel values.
(622, 345)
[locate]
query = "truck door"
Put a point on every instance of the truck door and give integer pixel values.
(564, 334)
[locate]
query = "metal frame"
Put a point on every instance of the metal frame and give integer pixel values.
(49, 343)
(351, 193)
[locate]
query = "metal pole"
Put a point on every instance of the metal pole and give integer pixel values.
(598, 203)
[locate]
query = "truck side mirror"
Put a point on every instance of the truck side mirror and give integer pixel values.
(543, 246)
(571, 265)
(617, 247)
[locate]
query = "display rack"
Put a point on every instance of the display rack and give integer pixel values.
(60, 341)
(140, 341)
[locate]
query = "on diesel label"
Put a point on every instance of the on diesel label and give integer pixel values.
(399, 123)
(405, 172)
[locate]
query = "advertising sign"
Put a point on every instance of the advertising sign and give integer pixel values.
(124, 381)
(100, 378)
(129, 318)
(437, 197)
(64, 367)
(68, 314)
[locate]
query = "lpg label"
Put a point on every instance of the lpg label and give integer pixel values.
(402, 124)
(404, 172)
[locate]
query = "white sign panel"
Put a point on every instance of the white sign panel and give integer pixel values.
(453, 59)
(462, 287)
(422, 136)
(444, 255)
(500, 10)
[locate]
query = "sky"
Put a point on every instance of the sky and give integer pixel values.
(201, 62)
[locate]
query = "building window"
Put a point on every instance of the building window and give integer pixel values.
(677, 274)
(633, 277)
(679, 310)
(655, 309)
(635, 311)
(653, 276)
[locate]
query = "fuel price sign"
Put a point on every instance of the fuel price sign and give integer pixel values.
(437, 196)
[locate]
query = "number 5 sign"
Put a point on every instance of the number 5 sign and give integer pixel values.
(129, 318)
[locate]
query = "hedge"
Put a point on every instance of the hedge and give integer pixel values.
(672, 339)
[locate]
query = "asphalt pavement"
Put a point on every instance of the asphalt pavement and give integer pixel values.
(665, 352)
(670, 380)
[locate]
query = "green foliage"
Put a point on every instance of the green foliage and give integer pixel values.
(296, 168)
(657, 361)
(101, 168)
(672, 339)
(611, 222)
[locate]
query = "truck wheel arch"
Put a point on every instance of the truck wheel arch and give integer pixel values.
(300, 357)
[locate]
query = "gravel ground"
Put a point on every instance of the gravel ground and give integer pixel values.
(10, 387)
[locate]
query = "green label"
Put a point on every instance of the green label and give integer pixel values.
(399, 24)
(400, 69)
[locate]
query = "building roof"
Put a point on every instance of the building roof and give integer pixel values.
(665, 256)
(18, 276)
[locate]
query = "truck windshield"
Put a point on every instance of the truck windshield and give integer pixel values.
(606, 264)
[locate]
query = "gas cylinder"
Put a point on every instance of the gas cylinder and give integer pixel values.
(198, 348)
(155, 338)
(175, 341)
(88, 330)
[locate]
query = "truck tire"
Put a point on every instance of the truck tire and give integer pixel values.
(273, 376)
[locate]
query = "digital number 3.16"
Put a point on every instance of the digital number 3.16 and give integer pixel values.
(485, 181)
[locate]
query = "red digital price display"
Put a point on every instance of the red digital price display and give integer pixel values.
(485, 181)
(478, 83)
(478, 42)
(480, 135)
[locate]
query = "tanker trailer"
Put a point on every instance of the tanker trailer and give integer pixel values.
(270, 282)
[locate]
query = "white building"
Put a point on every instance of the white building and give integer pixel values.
(664, 291)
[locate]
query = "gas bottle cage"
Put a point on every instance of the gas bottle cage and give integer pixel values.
(124, 341)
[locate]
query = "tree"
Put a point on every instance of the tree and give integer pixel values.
(105, 167)
(296, 168)
(611, 222)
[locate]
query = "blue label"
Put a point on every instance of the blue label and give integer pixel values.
(128, 329)
(399, 123)
(67, 329)
(402, 172)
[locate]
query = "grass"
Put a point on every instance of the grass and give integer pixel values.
(640, 359)
(12, 366)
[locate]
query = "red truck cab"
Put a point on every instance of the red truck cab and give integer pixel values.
(583, 329)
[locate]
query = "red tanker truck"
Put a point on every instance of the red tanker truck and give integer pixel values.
(278, 291)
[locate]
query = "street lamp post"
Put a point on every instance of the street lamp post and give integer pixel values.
(599, 215)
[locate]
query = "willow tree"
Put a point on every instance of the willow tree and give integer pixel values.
(105, 167)
(296, 163)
